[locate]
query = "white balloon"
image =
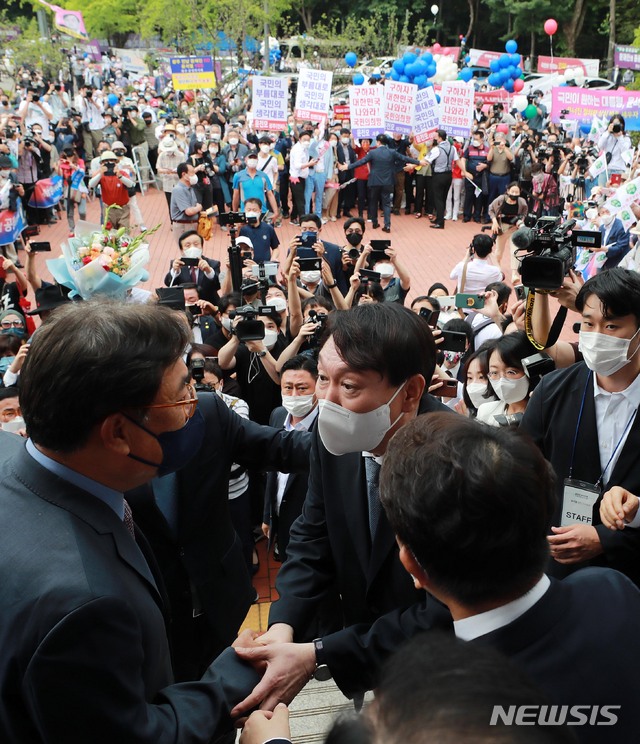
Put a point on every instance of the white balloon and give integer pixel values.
(519, 103)
(434, 9)
(579, 77)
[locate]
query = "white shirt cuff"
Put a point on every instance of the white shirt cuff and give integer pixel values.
(211, 274)
(634, 523)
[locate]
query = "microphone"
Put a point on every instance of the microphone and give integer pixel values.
(523, 238)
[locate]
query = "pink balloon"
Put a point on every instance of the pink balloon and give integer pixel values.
(436, 47)
(518, 84)
(504, 128)
(621, 87)
(550, 26)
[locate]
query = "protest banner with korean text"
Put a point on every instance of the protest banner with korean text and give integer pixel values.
(456, 108)
(426, 118)
(399, 102)
(314, 94)
(547, 65)
(269, 102)
(627, 57)
(191, 73)
(582, 104)
(366, 103)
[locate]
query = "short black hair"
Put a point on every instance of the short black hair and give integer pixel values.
(617, 289)
(354, 221)
(437, 285)
(433, 301)
(92, 359)
(230, 299)
(182, 168)
(448, 484)
(384, 337)
(457, 325)
(9, 392)
(205, 349)
(311, 218)
(513, 348)
(503, 291)
(382, 139)
(189, 234)
(482, 245)
(301, 362)
(264, 140)
(316, 301)
(447, 689)
(442, 134)
(253, 199)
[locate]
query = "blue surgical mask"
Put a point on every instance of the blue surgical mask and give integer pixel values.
(5, 363)
(178, 447)
(19, 332)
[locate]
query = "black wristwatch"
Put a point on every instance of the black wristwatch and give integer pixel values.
(331, 286)
(261, 354)
(322, 672)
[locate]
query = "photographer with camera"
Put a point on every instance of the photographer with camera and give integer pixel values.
(615, 142)
(114, 185)
(506, 213)
(499, 159)
(474, 167)
(536, 122)
(477, 270)
(185, 207)
(525, 158)
(250, 182)
(11, 190)
(263, 237)
(395, 288)
(544, 191)
(35, 110)
(28, 173)
(252, 351)
(59, 102)
(92, 120)
(203, 272)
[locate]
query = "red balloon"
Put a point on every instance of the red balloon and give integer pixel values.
(518, 84)
(550, 26)
(436, 47)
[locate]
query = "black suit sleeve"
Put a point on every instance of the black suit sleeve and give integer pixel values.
(103, 696)
(362, 161)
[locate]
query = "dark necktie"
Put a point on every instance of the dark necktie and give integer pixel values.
(194, 275)
(128, 519)
(372, 470)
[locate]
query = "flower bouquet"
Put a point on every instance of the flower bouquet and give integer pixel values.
(100, 260)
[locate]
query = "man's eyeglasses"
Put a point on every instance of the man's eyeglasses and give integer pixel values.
(190, 404)
(12, 324)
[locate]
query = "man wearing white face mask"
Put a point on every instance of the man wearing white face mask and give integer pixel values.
(372, 373)
(251, 183)
(263, 237)
(584, 420)
(614, 237)
(285, 492)
(184, 202)
(205, 274)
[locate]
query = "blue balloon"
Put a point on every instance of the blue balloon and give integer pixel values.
(394, 75)
(351, 58)
(410, 70)
(516, 59)
(420, 80)
(494, 65)
(494, 80)
(437, 98)
(508, 86)
(398, 66)
(466, 74)
(427, 57)
(422, 66)
(511, 46)
(358, 78)
(467, 59)
(404, 79)
(409, 57)
(511, 71)
(113, 99)
(431, 69)
(505, 61)
(520, 72)
(429, 84)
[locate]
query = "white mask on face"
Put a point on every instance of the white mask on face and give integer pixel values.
(604, 354)
(227, 324)
(606, 219)
(193, 180)
(278, 303)
(591, 213)
(265, 149)
(305, 145)
(250, 215)
(310, 277)
(298, 405)
(476, 391)
(385, 270)
(511, 391)
(180, 129)
(252, 162)
(193, 253)
(270, 338)
(344, 140)
(5, 173)
(200, 136)
(233, 141)
(343, 431)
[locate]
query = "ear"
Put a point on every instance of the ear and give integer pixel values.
(411, 565)
(413, 390)
(116, 435)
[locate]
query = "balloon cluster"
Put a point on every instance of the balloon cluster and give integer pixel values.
(574, 75)
(506, 71)
(275, 55)
(425, 69)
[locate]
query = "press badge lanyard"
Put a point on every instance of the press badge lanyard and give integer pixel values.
(575, 437)
(579, 497)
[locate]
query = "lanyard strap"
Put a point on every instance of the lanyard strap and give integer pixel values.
(575, 436)
(624, 433)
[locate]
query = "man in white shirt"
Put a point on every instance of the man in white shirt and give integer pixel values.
(483, 555)
(92, 120)
(35, 110)
(477, 270)
(299, 165)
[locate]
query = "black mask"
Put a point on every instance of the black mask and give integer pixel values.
(354, 238)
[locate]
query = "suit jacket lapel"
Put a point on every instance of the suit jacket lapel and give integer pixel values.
(586, 461)
(353, 492)
(628, 455)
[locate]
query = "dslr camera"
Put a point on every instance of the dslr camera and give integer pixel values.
(320, 320)
(232, 218)
(550, 249)
(197, 372)
(249, 328)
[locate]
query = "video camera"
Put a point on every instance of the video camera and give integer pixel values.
(551, 249)
(231, 218)
(320, 319)
(249, 328)
(197, 372)
(536, 366)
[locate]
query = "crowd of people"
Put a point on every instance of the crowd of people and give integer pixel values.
(427, 463)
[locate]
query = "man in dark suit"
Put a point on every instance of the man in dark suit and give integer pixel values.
(471, 505)
(372, 372)
(83, 647)
(185, 517)
(615, 237)
(346, 155)
(384, 164)
(584, 420)
(205, 275)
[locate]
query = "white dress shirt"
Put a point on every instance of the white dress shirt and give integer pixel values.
(486, 622)
(613, 413)
(479, 273)
(297, 158)
(304, 425)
